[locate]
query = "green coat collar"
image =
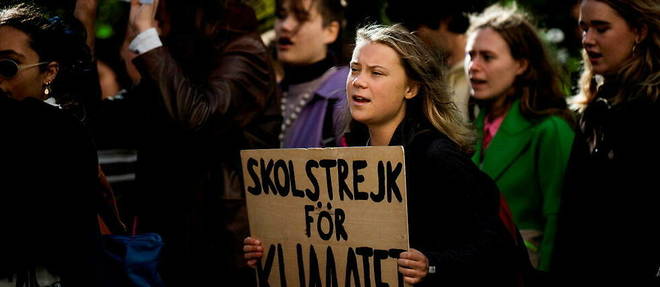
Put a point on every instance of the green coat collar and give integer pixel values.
(510, 140)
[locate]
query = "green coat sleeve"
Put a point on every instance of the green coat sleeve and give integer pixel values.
(555, 141)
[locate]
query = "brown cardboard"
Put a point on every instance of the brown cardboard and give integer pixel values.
(281, 219)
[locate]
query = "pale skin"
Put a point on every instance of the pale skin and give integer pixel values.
(376, 89)
(606, 37)
(85, 12)
(303, 43)
(142, 17)
(491, 69)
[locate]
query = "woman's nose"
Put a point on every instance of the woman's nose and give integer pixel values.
(588, 38)
(357, 82)
(472, 65)
(288, 24)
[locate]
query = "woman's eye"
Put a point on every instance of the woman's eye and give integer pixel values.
(584, 29)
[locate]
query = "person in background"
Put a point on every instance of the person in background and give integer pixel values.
(609, 213)
(313, 102)
(398, 89)
(442, 26)
(524, 125)
(206, 91)
(49, 215)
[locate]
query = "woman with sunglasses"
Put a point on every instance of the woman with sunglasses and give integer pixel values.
(609, 217)
(49, 165)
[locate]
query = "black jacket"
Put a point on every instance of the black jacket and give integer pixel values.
(453, 213)
(609, 216)
(194, 111)
(48, 193)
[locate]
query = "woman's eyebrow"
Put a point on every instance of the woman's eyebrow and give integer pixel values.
(13, 53)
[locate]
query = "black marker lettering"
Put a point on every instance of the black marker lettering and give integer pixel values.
(328, 164)
(256, 190)
(292, 175)
(378, 256)
(351, 268)
(365, 252)
(342, 175)
(313, 196)
(266, 181)
(330, 269)
(280, 168)
(391, 181)
(357, 178)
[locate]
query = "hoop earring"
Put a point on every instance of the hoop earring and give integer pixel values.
(634, 48)
(47, 90)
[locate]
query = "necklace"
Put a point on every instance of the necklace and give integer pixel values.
(290, 112)
(290, 117)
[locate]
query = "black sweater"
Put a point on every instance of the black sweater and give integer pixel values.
(453, 213)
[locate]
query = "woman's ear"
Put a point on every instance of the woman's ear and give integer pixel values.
(51, 72)
(411, 90)
(522, 66)
(331, 32)
(641, 33)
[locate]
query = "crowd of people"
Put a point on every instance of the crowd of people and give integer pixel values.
(470, 91)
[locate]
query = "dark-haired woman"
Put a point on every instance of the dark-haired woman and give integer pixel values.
(207, 90)
(49, 164)
(524, 128)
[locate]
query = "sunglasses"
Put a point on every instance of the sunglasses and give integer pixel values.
(9, 68)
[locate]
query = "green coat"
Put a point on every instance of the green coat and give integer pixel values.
(527, 159)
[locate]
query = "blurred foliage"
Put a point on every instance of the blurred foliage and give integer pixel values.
(265, 11)
(556, 20)
(111, 18)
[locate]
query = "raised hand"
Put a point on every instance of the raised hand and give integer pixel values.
(142, 16)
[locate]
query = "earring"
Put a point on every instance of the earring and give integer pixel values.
(634, 48)
(47, 90)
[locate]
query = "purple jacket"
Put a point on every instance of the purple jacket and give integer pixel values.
(307, 129)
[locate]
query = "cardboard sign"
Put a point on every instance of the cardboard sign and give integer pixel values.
(328, 217)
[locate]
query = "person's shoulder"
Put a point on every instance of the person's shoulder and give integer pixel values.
(436, 147)
(334, 85)
(245, 42)
(338, 75)
(555, 125)
(436, 157)
(52, 113)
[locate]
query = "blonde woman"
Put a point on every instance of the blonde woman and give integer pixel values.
(610, 210)
(398, 90)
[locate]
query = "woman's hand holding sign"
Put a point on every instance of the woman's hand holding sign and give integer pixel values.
(413, 265)
(253, 251)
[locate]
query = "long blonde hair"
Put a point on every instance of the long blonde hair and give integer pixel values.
(429, 73)
(639, 76)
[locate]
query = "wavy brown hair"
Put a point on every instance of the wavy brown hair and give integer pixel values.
(639, 76)
(539, 87)
(427, 71)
